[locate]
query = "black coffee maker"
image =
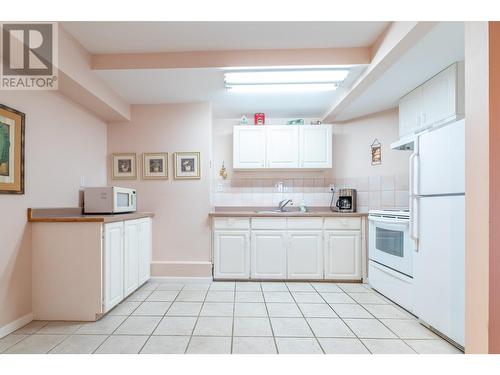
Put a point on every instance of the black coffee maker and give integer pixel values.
(347, 200)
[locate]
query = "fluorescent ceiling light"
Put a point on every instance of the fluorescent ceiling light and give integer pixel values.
(284, 80)
(282, 87)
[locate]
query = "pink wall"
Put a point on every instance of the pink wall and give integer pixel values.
(494, 91)
(181, 234)
(63, 142)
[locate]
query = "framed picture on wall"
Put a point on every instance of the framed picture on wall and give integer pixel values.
(124, 166)
(155, 166)
(11, 151)
(187, 165)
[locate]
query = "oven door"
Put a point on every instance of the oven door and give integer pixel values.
(124, 200)
(389, 244)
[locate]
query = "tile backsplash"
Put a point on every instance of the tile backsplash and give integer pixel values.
(388, 191)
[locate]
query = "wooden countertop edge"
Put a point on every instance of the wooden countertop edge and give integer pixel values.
(86, 219)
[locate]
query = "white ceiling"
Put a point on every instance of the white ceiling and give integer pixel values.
(135, 37)
(442, 46)
(148, 86)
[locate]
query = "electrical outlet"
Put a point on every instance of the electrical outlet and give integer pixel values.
(220, 188)
(82, 181)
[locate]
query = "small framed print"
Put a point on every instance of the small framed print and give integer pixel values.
(187, 165)
(376, 152)
(124, 166)
(155, 166)
(11, 151)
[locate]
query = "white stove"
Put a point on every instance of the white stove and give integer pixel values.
(390, 254)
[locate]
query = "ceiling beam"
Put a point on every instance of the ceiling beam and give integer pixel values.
(397, 39)
(233, 58)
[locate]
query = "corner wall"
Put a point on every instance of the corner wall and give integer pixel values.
(181, 232)
(63, 142)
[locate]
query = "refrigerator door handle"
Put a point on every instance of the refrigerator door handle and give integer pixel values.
(413, 197)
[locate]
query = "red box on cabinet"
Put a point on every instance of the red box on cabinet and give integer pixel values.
(259, 118)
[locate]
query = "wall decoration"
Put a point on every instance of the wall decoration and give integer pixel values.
(376, 152)
(155, 166)
(124, 166)
(223, 171)
(11, 151)
(187, 165)
(259, 118)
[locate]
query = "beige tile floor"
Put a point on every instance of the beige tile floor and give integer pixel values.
(239, 318)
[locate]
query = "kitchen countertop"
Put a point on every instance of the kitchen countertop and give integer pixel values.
(293, 212)
(76, 215)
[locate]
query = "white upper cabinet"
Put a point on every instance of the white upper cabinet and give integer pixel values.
(316, 146)
(249, 147)
(282, 147)
(438, 101)
(410, 112)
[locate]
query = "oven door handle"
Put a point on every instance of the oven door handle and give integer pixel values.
(388, 220)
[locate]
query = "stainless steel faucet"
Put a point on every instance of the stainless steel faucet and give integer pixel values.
(284, 203)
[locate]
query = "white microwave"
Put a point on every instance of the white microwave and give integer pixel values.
(109, 200)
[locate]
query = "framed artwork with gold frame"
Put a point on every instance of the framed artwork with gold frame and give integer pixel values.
(11, 151)
(155, 166)
(124, 166)
(187, 166)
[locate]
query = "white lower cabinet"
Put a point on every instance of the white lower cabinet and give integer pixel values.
(113, 265)
(280, 248)
(145, 246)
(131, 257)
(231, 254)
(268, 254)
(305, 255)
(343, 255)
(127, 257)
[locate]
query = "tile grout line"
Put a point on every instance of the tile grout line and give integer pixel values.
(312, 331)
(347, 325)
(232, 325)
(162, 317)
(269, 318)
(197, 318)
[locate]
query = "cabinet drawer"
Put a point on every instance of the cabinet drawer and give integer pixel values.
(232, 223)
(305, 223)
(343, 223)
(269, 223)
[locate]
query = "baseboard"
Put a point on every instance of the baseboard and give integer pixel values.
(181, 269)
(175, 279)
(16, 324)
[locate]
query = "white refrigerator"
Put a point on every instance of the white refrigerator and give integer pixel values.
(437, 211)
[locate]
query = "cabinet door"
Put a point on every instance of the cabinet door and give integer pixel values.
(343, 255)
(439, 101)
(410, 113)
(305, 255)
(268, 254)
(113, 265)
(231, 254)
(131, 257)
(282, 149)
(249, 147)
(145, 248)
(315, 146)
